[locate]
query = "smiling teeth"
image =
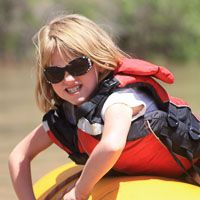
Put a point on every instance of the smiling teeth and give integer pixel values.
(73, 90)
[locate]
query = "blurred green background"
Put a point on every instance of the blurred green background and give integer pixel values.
(161, 31)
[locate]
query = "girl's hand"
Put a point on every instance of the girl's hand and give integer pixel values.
(71, 194)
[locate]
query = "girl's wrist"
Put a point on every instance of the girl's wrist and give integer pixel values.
(80, 192)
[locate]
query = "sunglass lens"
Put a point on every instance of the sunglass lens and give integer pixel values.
(54, 74)
(79, 66)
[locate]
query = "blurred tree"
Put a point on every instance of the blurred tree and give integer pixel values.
(145, 28)
(5, 20)
(16, 25)
(160, 28)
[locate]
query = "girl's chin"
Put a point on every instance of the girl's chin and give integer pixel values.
(79, 101)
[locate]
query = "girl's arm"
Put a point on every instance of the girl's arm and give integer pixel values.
(106, 153)
(20, 158)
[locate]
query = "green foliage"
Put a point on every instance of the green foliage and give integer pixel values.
(17, 22)
(145, 28)
(160, 28)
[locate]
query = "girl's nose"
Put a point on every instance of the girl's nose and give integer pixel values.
(68, 77)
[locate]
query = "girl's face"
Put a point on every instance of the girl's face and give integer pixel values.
(74, 89)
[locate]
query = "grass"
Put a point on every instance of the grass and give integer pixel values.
(19, 115)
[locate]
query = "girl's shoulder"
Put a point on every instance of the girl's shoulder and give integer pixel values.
(128, 96)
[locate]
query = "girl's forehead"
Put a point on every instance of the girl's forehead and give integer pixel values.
(59, 58)
(56, 57)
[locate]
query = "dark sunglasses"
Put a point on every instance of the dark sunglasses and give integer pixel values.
(76, 67)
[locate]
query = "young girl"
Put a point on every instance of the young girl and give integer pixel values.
(89, 112)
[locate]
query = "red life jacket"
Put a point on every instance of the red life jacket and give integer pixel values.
(156, 142)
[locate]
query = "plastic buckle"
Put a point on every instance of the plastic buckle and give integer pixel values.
(194, 133)
(172, 120)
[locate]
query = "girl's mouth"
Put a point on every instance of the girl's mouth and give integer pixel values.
(73, 89)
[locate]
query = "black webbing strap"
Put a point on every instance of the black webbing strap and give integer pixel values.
(168, 143)
(194, 166)
(106, 87)
(172, 116)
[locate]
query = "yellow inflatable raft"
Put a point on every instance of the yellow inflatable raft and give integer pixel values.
(116, 188)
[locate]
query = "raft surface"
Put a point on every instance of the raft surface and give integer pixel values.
(116, 188)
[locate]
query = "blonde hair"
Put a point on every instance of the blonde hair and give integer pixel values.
(72, 35)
